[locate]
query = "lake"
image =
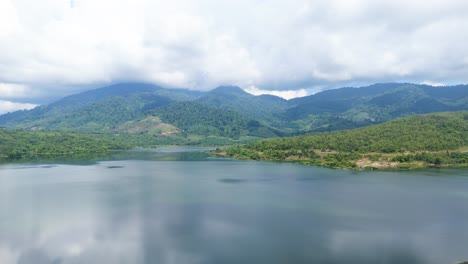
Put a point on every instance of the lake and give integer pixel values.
(178, 205)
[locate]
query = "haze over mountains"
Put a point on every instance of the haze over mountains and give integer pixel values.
(229, 111)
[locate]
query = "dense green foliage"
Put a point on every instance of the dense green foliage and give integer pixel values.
(264, 108)
(455, 158)
(423, 132)
(146, 140)
(199, 119)
(422, 135)
(15, 144)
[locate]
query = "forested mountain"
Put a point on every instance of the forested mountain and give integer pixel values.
(356, 107)
(435, 139)
(265, 108)
(200, 119)
(230, 112)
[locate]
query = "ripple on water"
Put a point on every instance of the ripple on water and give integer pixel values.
(115, 167)
(232, 180)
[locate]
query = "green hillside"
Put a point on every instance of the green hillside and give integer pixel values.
(421, 140)
(16, 144)
(199, 119)
(265, 108)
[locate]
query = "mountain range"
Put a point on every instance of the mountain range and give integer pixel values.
(230, 112)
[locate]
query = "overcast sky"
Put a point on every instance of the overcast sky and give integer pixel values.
(51, 48)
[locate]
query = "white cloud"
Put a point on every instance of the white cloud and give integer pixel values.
(286, 94)
(9, 90)
(8, 18)
(8, 106)
(434, 83)
(199, 44)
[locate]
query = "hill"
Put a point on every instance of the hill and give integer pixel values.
(17, 144)
(421, 140)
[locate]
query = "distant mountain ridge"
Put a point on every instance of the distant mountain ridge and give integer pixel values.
(356, 107)
(229, 111)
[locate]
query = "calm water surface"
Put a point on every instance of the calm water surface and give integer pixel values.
(173, 206)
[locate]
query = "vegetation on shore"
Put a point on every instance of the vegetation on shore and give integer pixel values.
(416, 141)
(23, 144)
(18, 144)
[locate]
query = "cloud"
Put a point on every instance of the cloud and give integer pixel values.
(8, 90)
(434, 83)
(7, 256)
(8, 106)
(286, 94)
(8, 18)
(199, 44)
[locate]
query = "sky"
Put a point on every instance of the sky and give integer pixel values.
(290, 48)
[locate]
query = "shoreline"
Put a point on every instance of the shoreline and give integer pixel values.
(365, 162)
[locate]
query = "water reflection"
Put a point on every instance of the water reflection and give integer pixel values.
(183, 212)
(174, 153)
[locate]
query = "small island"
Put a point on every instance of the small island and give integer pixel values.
(432, 140)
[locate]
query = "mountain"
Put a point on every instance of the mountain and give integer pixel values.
(415, 141)
(230, 112)
(99, 110)
(200, 119)
(264, 108)
(356, 107)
